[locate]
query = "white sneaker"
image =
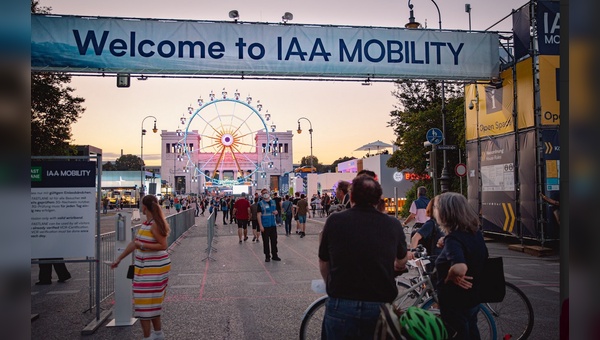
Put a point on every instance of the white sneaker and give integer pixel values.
(158, 335)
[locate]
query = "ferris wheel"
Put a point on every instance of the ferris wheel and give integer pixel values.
(227, 127)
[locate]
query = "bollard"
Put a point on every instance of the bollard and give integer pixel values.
(123, 308)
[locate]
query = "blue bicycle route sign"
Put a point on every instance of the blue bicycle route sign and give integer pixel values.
(434, 136)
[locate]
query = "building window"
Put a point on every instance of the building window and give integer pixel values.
(285, 148)
(168, 148)
(191, 147)
(227, 175)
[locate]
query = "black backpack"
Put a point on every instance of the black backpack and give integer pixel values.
(430, 242)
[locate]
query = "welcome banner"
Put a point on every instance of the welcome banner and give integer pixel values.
(151, 46)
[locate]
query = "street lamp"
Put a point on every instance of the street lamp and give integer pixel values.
(311, 147)
(445, 177)
(142, 175)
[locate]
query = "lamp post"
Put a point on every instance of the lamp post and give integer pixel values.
(468, 10)
(445, 177)
(143, 168)
(311, 143)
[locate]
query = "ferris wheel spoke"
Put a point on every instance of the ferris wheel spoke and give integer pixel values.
(219, 161)
(219, 116)
(208, 161)
(244, 122)
(246, 144)
(207, 123)
(245, 156)
(251, 133)
(235, 159)
(210, 146)
(233, 114)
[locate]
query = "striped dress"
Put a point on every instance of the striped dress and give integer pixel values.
(151, 276)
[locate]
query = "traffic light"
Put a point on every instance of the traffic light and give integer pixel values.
(428, 157)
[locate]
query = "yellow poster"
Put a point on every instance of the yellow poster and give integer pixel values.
(491, 112)
(549, 91)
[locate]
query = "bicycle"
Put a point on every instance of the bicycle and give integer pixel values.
(321, 211)
(513, 316)
(420, 293)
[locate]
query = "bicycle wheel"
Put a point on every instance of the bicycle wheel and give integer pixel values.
(514, 315)
(485, 320)
(312, 320)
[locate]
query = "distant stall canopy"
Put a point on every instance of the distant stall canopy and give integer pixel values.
(104, 45)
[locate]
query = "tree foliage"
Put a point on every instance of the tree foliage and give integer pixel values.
(129, 162)
(305, 161)
(333, 166)
(54, 109)
(419, 109)
(109, 166)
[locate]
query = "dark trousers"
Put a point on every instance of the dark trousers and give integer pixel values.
(269, 237)
(463, 321)
(288, 223)
(45, 274)
(225, 216)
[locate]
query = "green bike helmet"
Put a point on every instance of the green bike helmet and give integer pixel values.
(420, 324)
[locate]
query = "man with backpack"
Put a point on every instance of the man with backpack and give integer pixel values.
(428, 235)
(417, 209)
(287, 207)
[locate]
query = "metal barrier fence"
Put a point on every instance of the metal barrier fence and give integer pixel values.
(179, 224)
(210, 237)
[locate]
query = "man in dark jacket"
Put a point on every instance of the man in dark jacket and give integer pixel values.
(364, 247)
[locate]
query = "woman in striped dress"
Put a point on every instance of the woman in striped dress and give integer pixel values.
(152, 266)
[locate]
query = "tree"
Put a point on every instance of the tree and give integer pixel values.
(333, 166)
(108, 166)
(129, 162)
(53, 109)
(305, 161)
(419, 110)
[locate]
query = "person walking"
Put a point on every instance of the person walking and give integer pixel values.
(365, 247)
(302, 211)
(167, 203)
(241, 211)
(277, 200)
(460, 264)
(254, 220)
(224, 209)
(268, 227)
(177, 205)
(295, 210)
(326, 203)
(203, 204)
(232, 201)
(105, 205)
(418, 210)
(287, 207)
(196, 207)
(152, 267)
(45, 274)
(216, 206)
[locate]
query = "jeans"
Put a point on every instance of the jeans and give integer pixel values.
(288, 223)
(349, 319)
(461, 320)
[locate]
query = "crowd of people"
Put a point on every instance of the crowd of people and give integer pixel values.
(359, 243)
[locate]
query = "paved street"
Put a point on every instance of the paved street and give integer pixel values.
(239, 296)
